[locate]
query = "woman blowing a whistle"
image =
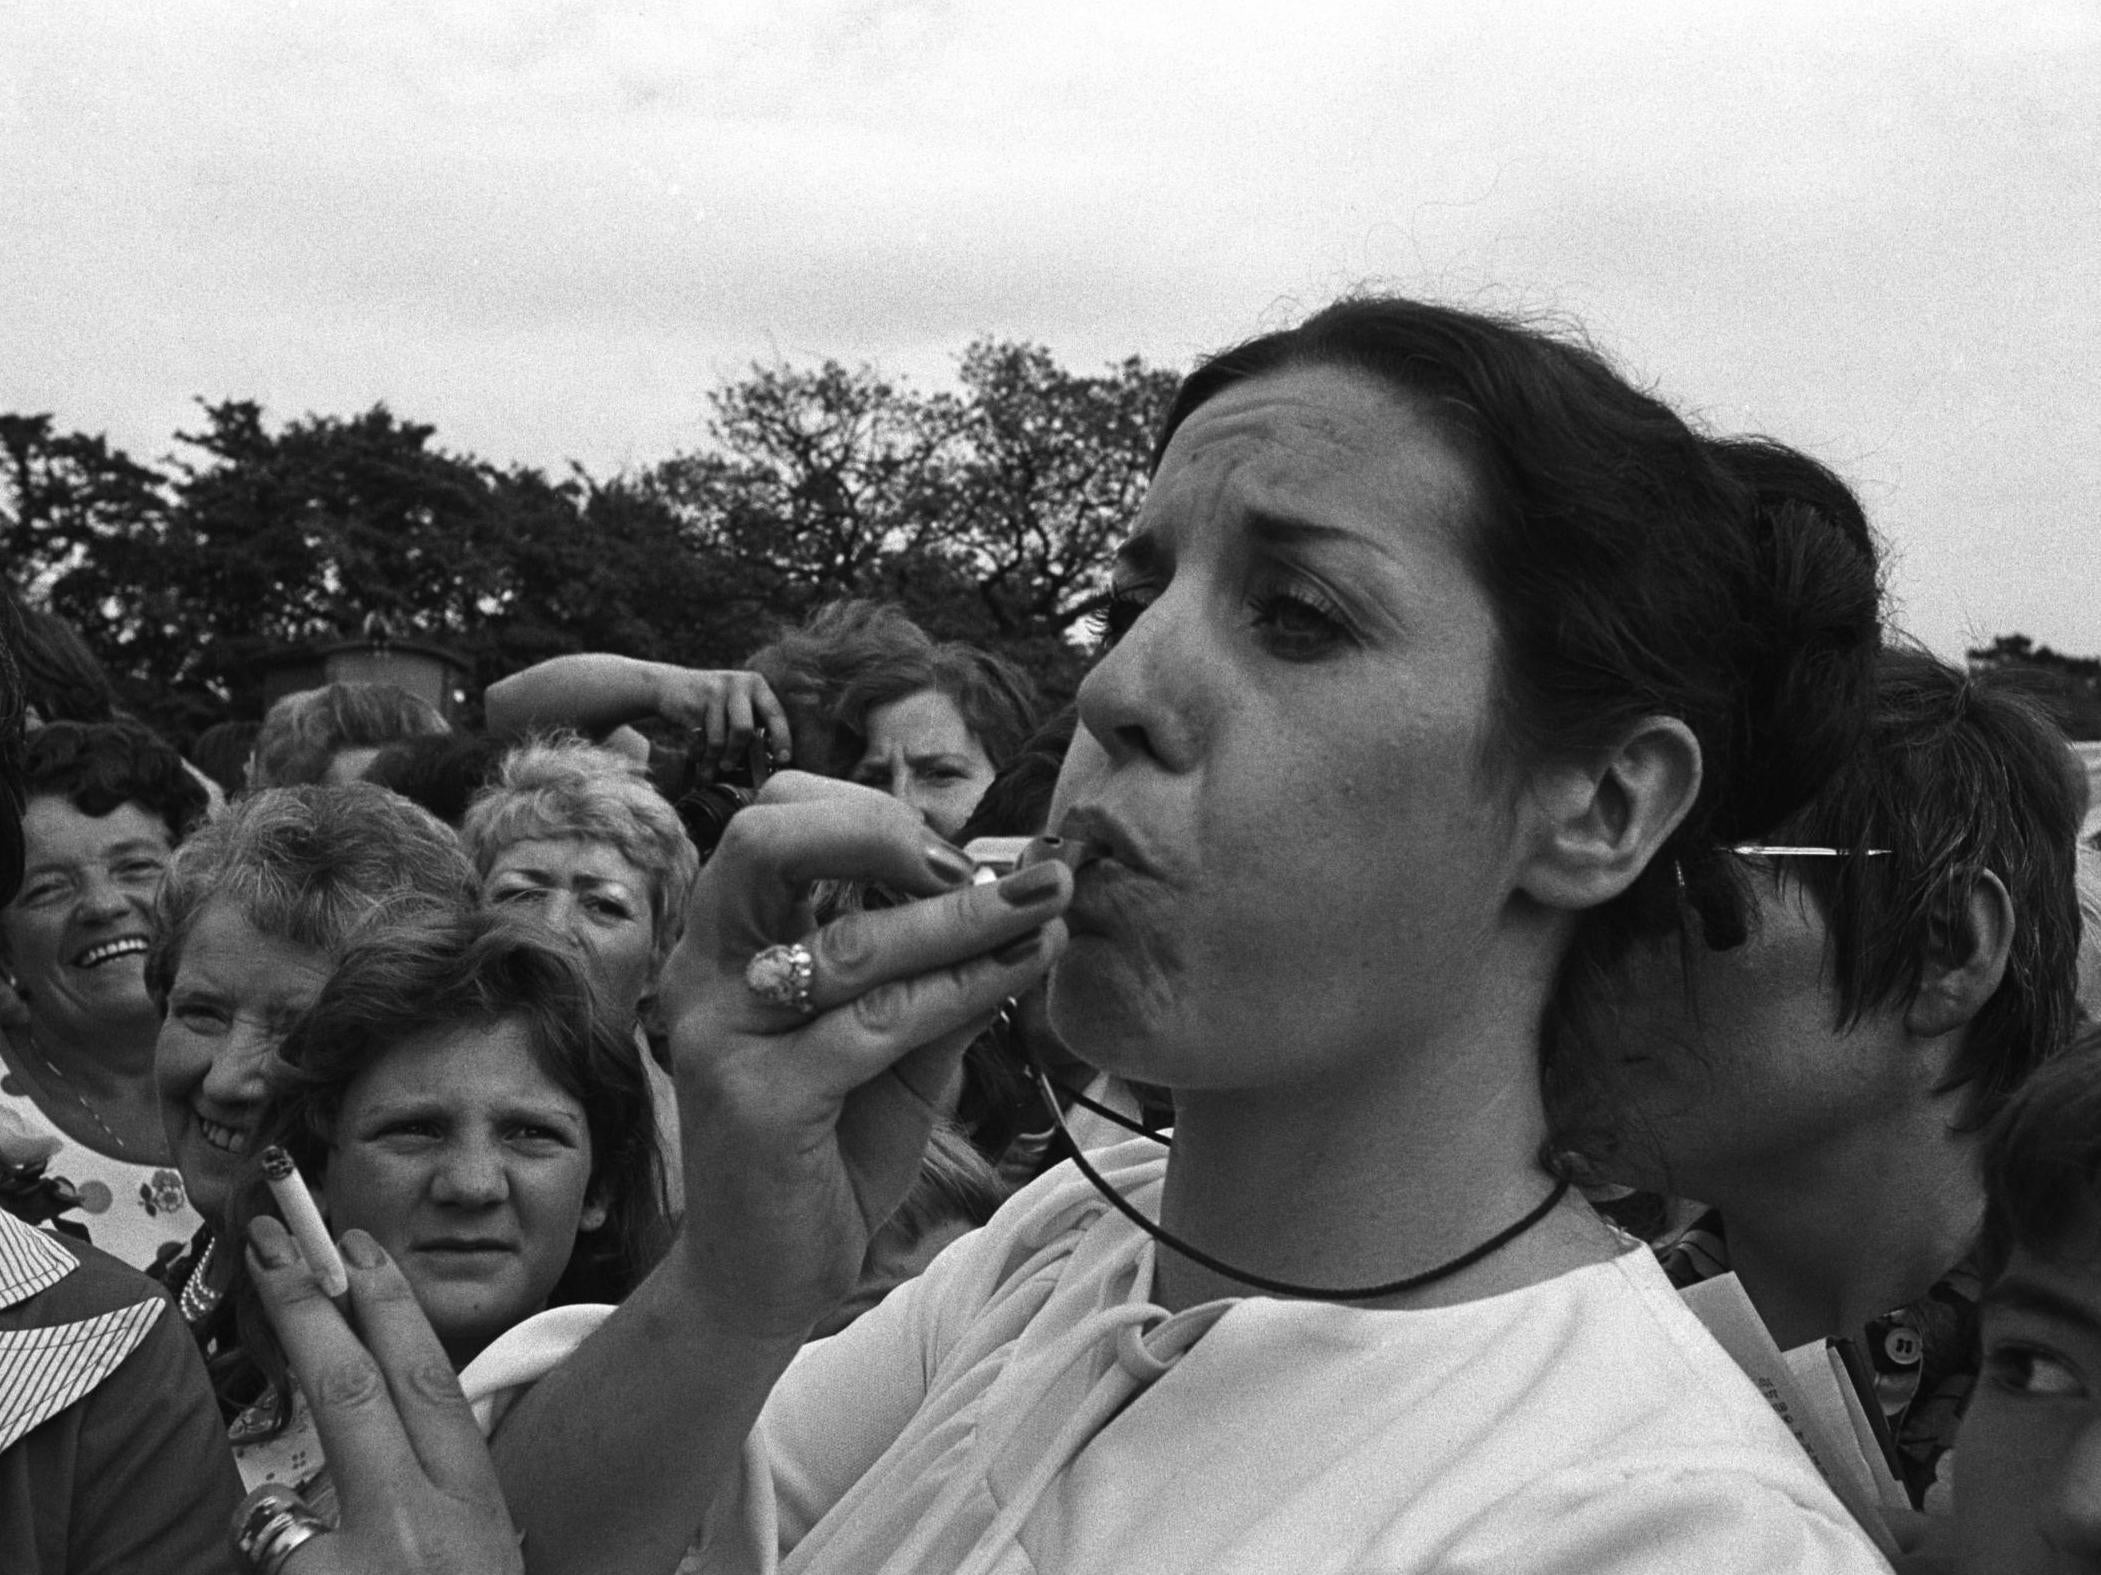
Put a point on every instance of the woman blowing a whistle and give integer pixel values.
(1438, 663)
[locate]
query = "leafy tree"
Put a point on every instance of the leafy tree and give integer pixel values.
(989, 512)
(813, 480)
(2069, 685)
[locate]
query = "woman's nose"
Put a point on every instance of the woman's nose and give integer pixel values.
(101, 898)
(470, 1175)
(236, 1075)
(1142, 697)
(561, 911)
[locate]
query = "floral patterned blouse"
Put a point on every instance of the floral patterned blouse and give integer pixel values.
(136, 1213)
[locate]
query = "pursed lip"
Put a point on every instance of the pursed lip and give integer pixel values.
(1107, 836)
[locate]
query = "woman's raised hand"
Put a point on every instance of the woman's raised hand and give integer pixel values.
(803, 1129)
(725, 710)
(417, 1489)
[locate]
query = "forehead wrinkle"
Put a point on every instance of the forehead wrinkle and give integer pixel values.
(1265, 451)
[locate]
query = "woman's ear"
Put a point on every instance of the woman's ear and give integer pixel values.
(595, 1214)
(1966, 950)
(1596, 824)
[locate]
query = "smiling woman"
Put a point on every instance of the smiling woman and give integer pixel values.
(107, 803)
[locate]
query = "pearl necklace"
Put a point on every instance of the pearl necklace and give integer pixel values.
(198, 1299)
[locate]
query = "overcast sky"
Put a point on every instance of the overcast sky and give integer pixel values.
(548, 229)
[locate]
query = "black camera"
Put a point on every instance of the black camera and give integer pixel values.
(708, 800)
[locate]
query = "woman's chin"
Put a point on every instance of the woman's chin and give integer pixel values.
(1108, 1013)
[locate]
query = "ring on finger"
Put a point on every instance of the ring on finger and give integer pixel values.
(270, 1524)
(784, 975)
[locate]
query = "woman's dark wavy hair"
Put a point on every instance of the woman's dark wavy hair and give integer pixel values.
(2041, 1162)
(96, 766)
(420, 977)
(809, 666)
(997, 700)
(11, 849)
(1635, 569)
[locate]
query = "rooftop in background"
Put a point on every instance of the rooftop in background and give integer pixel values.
(429, 672)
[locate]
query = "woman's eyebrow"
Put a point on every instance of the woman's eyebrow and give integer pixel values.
(134, 845)
(1139, 553)
(547, 1115)
(1274, 529)
(2019, 1294)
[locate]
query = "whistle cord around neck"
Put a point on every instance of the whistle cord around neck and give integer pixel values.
(1168, 1239)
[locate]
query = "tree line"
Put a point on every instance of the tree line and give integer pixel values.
(989, 511)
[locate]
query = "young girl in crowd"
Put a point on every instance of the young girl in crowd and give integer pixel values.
(1443, 665)
(456, 1092)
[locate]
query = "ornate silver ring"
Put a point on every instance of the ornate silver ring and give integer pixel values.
(783, 976)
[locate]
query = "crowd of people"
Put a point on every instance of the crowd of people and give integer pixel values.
(1504, 903)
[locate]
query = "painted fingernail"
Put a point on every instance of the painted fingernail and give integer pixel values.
(362, 1250)
(1015, 953)
(950, 864)
(271, 1243)
(1030, 885)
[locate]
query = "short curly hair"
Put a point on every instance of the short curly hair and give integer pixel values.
(311, 865)
(563, 787)
(304, 731)
(997, 700)
(96, 766)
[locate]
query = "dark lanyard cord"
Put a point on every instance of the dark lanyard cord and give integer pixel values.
(1167, 1238)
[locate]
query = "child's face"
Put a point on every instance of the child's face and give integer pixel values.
(2028, 1463)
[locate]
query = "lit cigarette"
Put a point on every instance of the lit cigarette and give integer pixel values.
(296, 1204)
(997, 856)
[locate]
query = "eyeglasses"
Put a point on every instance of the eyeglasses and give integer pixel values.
(1779, 850)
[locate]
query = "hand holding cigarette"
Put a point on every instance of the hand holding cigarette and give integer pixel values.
(303, 1218)
(413, 1477)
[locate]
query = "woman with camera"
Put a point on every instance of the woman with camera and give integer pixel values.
(1439, 660)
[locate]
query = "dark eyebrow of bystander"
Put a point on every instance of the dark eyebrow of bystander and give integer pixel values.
(2017, 1293)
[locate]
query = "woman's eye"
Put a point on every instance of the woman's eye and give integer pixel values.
(2031, 1371)
(527, 1132)
(1299, 624)
(520, 894)
(200, 1017)
(1119, 612)
(141, 869)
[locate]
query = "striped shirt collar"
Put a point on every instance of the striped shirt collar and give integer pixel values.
(30, 1261)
